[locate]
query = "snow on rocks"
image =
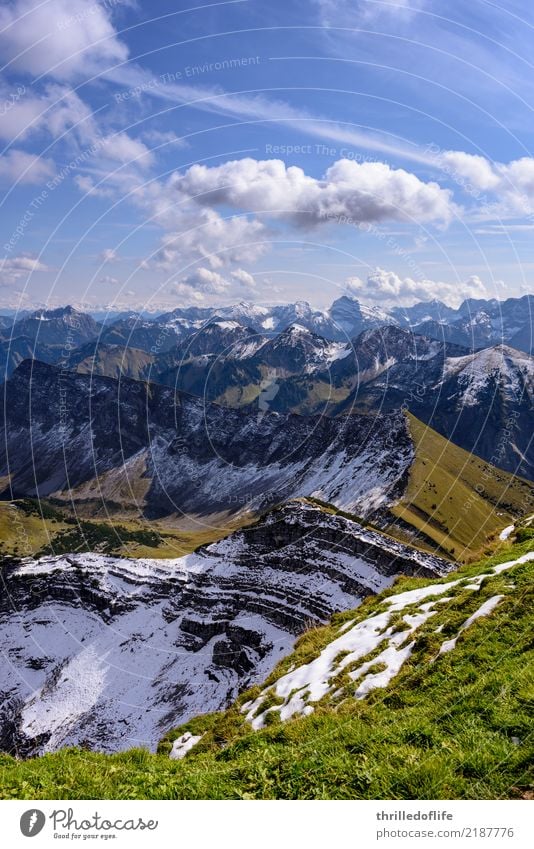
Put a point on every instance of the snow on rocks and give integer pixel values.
(112, 652)
(505, 534)
(512, 369)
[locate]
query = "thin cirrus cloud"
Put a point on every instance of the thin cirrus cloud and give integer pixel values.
(259, 108)
(14, 269)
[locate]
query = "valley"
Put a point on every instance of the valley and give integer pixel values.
(186, 524)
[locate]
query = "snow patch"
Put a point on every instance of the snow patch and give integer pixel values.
(183, 745)
(299, 688)
(483, 610)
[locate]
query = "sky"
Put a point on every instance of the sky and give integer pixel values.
(162, 154)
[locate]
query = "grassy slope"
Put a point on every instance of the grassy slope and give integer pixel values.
(456, 499)
(28, 528)
(117, 361)
(459, 727)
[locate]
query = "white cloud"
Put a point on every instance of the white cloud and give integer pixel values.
(60, 38)
(206, 235)
(123, 148)
(64, 111)
(109, 255)
(476, 170)
(244, 278)
(349, 193)
(107, 279)
(19, 267)
(186, 292)
(366, 192)
(386, 287)
(22, 167)
(20, 113)
(258, 107)
(205, 281)
(507, 188)
(166, 138)
(208, 281)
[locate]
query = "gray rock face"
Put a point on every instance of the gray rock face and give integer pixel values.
(110, 653)
(482, 401)
(89, 434)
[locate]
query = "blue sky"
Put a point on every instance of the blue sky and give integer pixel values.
(163, 154)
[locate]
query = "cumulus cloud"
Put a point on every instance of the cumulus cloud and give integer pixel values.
(208, 281)
(107, 279)
(186, 292)
(206, 235)
(19, 267)
(244, 278)
(388, 287)
(205, 281)
(475, 170)
(349, 192)
(109, 255)
(22, 167)
(187, 206)
(508, 188)
(60, 38)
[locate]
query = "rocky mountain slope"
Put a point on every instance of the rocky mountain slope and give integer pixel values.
(147, 448)
(110, 653)
(135, 450)
(484, 323)
(481, 401)
(49, 335)
(422, 692)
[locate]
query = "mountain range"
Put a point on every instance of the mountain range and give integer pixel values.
(141, 450)
(312, 457)
(475, 324)
(293, 359)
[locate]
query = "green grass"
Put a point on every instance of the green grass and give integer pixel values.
(455, 727)
(31, 528)
(97, 536)
(455, 499)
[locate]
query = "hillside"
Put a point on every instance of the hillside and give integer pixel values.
(150, 451)
(454, 499)
(201, 627)
(128, 452)
(443, 674)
